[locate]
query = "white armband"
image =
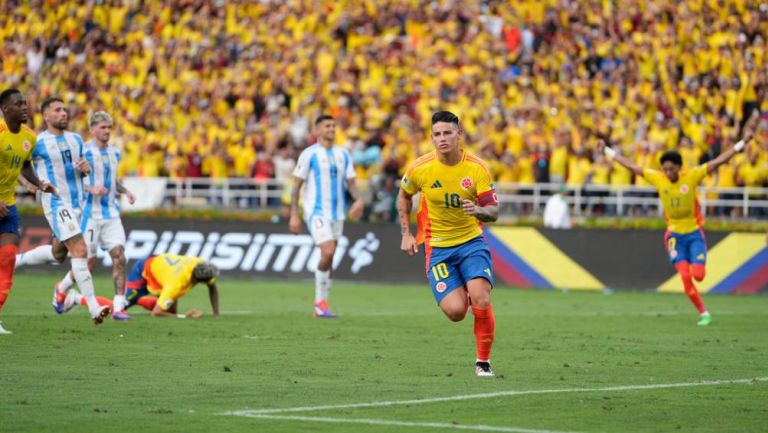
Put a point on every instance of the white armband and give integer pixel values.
(181, 316)
(609, 152)
(739, 146)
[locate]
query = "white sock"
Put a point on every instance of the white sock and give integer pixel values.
(36, 256)
(85, 282)
(322, 285)
(118, 304)
(66, 282)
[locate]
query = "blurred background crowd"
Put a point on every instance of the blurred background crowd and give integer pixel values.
(212, 88)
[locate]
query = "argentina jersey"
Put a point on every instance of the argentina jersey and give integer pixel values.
(325, 172)
(54, 159)
(103, 174)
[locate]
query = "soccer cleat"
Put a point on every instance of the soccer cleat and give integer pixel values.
(705, 319)
(483, 369)
(321, 311)
(120, 315)
(4, 331)
(58, 299)
(101, 314)
(70, 301)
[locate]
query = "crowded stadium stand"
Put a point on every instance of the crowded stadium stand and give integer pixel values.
(213, 100)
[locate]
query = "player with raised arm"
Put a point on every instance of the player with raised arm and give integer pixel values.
(684, 239)
(58, 159)
(329, 174)
(101, 223)
(17, 141)
(457, 196)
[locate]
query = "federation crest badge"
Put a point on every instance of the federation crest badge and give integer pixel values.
(26, 145)
(440, 287)
(466, 183)
(684, 189)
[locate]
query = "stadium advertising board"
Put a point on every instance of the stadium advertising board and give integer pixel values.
(522, 256)
(240, 248)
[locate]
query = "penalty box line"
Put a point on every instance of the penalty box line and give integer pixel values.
(386, 403)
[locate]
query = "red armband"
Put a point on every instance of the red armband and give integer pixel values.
(487, 198)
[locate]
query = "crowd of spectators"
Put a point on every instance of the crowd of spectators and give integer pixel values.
(214, 88)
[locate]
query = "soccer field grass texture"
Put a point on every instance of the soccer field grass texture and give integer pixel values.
(575, 362)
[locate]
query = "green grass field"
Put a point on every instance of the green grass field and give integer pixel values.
(566, 362)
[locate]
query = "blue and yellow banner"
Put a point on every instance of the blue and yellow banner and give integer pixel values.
(621, 259)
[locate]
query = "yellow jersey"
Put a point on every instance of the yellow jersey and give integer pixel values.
(169, 277)
(441, 218)
(681, 208)
(15, 150)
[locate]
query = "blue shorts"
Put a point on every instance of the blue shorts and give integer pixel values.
(689, 247)
(10, 224)
(450, 268)
(135, 284)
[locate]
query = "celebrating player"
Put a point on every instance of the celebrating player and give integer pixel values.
(684, 239)
(101, 222)
(58, 159)
(18, 142)
(328, 171)
(457, 194)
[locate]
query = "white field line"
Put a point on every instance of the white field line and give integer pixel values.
(386, 403)
(383, 422)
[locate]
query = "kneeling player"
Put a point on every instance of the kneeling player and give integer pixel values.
(157, 282)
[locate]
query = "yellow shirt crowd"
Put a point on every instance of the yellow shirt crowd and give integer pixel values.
(214, 84)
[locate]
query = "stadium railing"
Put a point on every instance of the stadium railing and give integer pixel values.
(591, 200)
(516, 199)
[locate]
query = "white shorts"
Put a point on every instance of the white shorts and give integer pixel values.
(65, 224)
(107, 234)
(325, 229)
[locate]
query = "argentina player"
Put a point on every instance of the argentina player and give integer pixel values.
(58, 159)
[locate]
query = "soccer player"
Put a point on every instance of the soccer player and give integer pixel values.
(17, 141)
(457, 195)
(330, 175)
(58, 159)
(157, 282)
(684, 239)
(101, 222)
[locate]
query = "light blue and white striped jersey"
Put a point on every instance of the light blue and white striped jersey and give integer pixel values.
(54, 159)
(325, 172)
(103, 173)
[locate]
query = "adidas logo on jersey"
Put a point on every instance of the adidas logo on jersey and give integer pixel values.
(8, 148)
(437, 184)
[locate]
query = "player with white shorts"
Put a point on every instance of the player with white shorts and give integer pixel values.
(101, 222)
(58, 159)
(329, 174)
(324, 229)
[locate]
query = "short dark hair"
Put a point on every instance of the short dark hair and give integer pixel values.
(49, 101)
(445, 116)
(672, 156)
(205, 271)
(6, 95)
(322, 118)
